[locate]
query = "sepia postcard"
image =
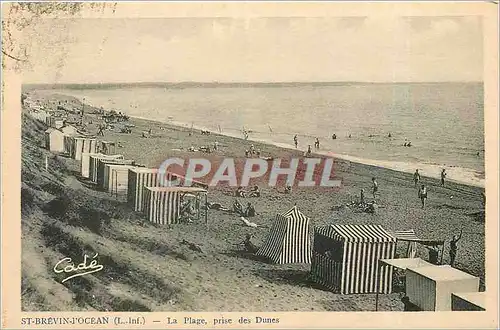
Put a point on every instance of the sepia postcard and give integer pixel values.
(249, 165)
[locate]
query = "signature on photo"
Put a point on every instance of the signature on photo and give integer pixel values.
(81, 269)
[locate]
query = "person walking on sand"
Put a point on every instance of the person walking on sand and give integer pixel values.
(375, 187)
(362, 197)
(316, 143)
(454, 247)
(416, 178)
(443, 176)
(296, 141)
(309, 151)
(422, 194)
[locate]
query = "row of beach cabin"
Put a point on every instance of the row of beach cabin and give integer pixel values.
(348, 259)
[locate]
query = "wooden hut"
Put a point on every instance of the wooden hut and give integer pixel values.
(54, 140)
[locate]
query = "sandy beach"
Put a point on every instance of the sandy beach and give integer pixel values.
(147, 268)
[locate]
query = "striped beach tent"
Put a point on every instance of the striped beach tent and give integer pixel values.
(162, 205)
(85, 164)
(413, 241)
(345, 258)
(288, 240)
(116, 178)
(93, 163)
(138, 178)
(141, 177)
(74, 146)
(407, 236)
(84, 144)
(102, 179)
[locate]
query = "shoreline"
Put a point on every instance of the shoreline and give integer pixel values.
(459, 175)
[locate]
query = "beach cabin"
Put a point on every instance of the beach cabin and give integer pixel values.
(84, 144)
(116, 177)
(85, 163)
(430, 288)
(74, 146)
(162, 205)
(401, 264)
(107, 147)
(69, 130)
(54, 122)
(345, 258)
(103, 174)
(468, 301)
(138, 178)
(54, 140)
(288, 241)
(94, 163)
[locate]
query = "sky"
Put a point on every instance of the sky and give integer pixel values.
(280, 49)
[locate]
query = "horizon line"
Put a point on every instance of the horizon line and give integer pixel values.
(249, 82)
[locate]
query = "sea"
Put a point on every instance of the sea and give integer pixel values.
(443, 121)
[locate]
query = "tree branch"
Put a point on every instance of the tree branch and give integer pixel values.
(12, 57)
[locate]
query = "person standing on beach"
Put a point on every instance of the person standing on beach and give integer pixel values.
(422, 194)
(454, 247)
(316, 143)
(362, 197)
(416, 177)
(443, 176)
(296, 141)
(309, 151)
(375, 187)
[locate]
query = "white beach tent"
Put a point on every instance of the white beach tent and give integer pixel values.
(401, 263)
(430, 288)
(288, 240)
(54, 140)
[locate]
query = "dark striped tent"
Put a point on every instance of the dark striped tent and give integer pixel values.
(162, 205)
(138, 178)
(288, 240)
(74, 146)
(93, 164)
(345, 258)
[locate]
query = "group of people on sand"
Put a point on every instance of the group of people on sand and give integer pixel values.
(422, 192)
(249, 153)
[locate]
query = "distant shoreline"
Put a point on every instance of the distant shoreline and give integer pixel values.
(192, 84)
(458, 174)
